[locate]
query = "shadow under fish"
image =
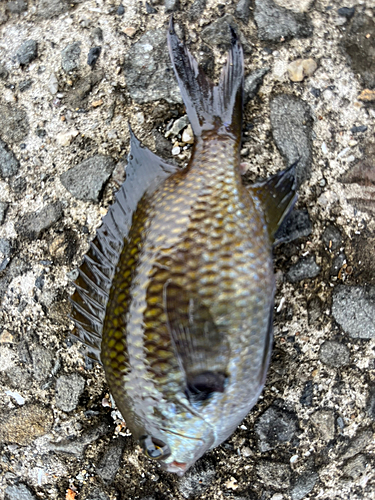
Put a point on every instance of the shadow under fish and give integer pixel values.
(175, 296)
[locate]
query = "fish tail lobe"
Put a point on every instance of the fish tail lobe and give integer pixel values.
(209, 106)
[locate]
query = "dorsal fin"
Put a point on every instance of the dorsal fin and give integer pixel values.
(145, 171)
(278, 196)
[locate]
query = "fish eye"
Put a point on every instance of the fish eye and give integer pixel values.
(154, 448)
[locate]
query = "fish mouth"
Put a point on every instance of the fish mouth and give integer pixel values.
(178, 468)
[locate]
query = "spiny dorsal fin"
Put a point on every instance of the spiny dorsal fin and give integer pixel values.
(144, 173)
(278, 196)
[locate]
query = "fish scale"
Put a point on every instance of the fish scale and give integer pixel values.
(177, 289)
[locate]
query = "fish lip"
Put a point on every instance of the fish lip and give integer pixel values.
(178, 468)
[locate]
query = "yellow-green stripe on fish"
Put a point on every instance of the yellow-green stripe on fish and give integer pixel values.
(175, 295)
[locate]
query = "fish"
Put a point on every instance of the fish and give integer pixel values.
(175, 296)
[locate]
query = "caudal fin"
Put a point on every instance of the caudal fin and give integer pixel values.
(208, 106)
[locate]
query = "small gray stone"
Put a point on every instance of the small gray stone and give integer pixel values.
(307, 395)
(77, 446)
(110, 462)
(274, 474)
(18, 492)
(3, 210)
(197, 480)
(25, 85)
(196, 10)
(324, 422)
(25, 424)
(93, 56)
(148, 70)
(297, 225)
(276, 23)
(371, 403)
(6, 247)
(292, 128)
(14, 125)
(18, 377)
(70, 56)
(347, 12)
(27, 52)
(3, 72)
(358, 43)
(356, 466)
(334, 354)
(16, 7)
(68, 391)
(32, 225)
(253, 82)
(171, 6)
(42, 363)
(52, 8)
(358, 443)
(332, 237)
(86, 180)
(9, 164)
(219, 33)
(304, 269)
(337, 264)
(303, 485)
(353, 307)
(242, 11)
(274, 427)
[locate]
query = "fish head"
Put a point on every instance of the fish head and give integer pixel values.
(177, 441)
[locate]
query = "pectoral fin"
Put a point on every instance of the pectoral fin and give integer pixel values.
(201, 348)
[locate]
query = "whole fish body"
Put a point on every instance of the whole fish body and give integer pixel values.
(176, 292)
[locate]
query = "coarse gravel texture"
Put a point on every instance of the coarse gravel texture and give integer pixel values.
(72, 75)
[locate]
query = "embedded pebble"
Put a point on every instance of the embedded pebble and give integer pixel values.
(242, 11)
(25, 424)
(65, 138)
(196, 10)
(18, 492)
(176, 150)
(148, 71)
(32, 225)
(187, 135)
(324, 423)
(9, 164)
(253, 81)
(332, 237)
(274, 474)
(303, 484)
(86, 180)
(196, 480)
(305, 268)
(177, 126)
(275, 23)
(110, 462)
(27, 52)
(171, 6)
(353, 307)
(14, 124)
(274, 427)
(70, 57)
(51, 8)
(291, 123)
(300, 68)
(68, 391)
(3, 210)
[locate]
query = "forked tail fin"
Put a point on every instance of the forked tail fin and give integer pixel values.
(208, 106)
